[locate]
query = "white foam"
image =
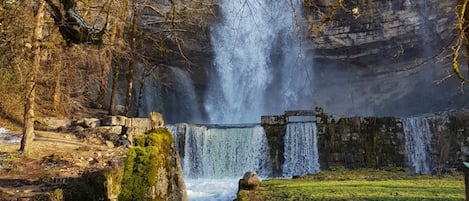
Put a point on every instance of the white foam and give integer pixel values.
(211, 189)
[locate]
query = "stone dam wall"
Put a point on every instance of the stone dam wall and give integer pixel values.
(378, 142)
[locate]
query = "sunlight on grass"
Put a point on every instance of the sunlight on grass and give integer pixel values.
(397, 187)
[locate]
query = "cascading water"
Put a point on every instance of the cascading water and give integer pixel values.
(260, 66)
(222, 152)
(301, 150)
(418, 144)
(214, 158)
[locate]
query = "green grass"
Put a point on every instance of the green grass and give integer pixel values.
(361, 185)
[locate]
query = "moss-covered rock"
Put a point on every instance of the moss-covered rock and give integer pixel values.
(152, 170)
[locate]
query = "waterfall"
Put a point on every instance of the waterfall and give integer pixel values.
(222, 152)
(214, 157)
(179, 103)
(418, 144)
(260, 67)
(301, 150)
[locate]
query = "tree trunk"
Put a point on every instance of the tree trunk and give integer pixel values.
(30, 88)
(58, 82)
(108, 65)
(103, 77)
(130, 75)
(140, 92)
(115, 74)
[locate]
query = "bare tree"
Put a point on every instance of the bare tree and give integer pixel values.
(30, 88)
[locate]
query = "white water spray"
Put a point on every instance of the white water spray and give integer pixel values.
(418, 144)
(178, 104)
(223, 152)
(260, 67)
(215, 158)
(301, 150)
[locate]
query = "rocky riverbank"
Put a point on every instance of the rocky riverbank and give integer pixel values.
(88, 159)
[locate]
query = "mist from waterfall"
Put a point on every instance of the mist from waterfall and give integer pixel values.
(178, 104)
(301, 149)
(418, 144)
(260, 67)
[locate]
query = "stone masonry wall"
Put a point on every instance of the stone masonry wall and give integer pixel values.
(379, 142)
(358, 142)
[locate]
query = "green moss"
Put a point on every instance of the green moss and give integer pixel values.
(113, 181)
(150, 153)
(57, 195)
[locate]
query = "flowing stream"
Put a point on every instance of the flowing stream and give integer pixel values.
(418, 144)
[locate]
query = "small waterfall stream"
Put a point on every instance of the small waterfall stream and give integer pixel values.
(223, 152)
(418, 144)
(301, 149)
(214, 157)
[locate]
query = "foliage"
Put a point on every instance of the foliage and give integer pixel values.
(462, 40)
(358, 185)
(74, 77)
(143, 162)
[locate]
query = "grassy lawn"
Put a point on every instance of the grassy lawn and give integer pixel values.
(361, 185)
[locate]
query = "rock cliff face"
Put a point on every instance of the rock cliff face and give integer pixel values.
(385, 31)
(387, 61)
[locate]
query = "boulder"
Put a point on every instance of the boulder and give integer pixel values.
(52, 123)
(250, 181)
